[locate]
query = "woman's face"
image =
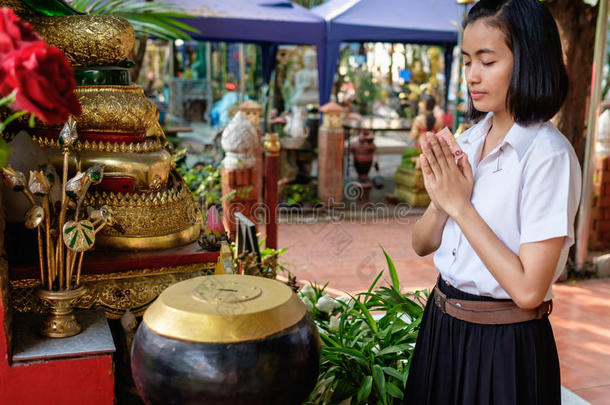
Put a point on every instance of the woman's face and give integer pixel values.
(488, 65)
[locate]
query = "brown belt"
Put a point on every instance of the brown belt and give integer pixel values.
(489, 312)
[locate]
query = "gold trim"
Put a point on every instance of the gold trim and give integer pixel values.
(205, 309)
(149, 145)
(88, 40)
(180, 238)
(115, 292)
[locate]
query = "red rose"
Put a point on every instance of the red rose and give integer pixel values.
(14, 33)
(45, 82)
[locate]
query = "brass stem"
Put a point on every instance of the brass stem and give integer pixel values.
(81, 199)
(29, 196)
(78, 270)
(62, 216)
(40, 257)
(47, 224)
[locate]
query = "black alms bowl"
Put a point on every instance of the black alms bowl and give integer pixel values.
(280, 368)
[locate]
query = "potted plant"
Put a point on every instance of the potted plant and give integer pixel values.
(367, 342)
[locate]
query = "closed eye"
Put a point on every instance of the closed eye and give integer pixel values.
(488, 63)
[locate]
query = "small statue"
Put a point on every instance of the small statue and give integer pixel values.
(239, 140)
(306, 82)
(425, 120)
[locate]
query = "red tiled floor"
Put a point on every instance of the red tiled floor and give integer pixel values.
(348, 256)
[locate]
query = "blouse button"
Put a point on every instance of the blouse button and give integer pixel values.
(453, 252)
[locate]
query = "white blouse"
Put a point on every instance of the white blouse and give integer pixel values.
(527, 190)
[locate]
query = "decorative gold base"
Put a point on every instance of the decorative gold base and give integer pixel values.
(59, 321)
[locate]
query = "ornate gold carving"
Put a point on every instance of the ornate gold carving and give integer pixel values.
(113, 109)
(19, 7)
(142, 167)
(115, 292)
(151, 221)
(150, 145)
(88, 40)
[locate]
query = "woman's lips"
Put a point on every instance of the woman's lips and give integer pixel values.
(476, 95)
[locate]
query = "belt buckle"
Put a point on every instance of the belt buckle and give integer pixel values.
(440, 303)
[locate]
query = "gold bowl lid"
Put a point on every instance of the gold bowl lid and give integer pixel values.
(224, 308)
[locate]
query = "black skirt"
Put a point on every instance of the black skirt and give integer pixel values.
(462, 363)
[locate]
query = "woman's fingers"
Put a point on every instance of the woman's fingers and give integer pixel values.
(435, 146)
(425, 166)
(464, 165)
(431, 159)
(447, 154)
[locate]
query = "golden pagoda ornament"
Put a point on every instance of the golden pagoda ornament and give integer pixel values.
(119, 130)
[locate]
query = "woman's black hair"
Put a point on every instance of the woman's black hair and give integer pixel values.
(539, 82)
(430, 102)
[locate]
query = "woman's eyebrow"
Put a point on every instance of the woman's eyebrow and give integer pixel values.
(479, 52)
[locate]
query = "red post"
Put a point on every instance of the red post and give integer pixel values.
(272, 164)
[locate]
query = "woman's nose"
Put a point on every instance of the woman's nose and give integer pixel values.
(472, 75)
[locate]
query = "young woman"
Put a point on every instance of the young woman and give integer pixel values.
(501, 219)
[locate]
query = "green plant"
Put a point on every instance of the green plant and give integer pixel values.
(297, 194)
(366, 90)
(407, 157)
(367, 341)
(269, 265)
(147, 17)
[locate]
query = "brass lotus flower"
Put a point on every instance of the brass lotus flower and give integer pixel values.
(68, 135)
(15, 179)
(95, 173)
(74, 186)
(39, 184)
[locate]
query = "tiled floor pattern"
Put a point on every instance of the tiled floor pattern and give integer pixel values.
(348, 256)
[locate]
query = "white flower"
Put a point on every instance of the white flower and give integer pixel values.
(326, 303)
(308, 291)
(308, 304)
(334, 323)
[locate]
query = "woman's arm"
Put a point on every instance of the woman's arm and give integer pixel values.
(526, 276)
(428, 231)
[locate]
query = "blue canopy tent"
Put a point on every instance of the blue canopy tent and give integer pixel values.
(264, 22)
(429, 22)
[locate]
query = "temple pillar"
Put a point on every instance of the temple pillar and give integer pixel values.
(330, 155)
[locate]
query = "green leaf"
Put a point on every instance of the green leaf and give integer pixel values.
(394, 391)
(342, 391)
(392, 372)
(365, 312)
(380, 384)
(5, 152)
(375, 282)
(365, 389)
(392, 270)
(8, 99)
(11, 118)
(394, 349)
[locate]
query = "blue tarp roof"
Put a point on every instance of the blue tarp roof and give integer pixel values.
(433, 22)
(266, 22)
(253, 21)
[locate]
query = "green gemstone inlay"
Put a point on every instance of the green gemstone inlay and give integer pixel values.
(68, 230)
(73, 241)
(89, 241)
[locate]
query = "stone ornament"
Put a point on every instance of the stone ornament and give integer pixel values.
(239, 140)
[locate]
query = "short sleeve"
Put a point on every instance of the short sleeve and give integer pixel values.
(549, 199)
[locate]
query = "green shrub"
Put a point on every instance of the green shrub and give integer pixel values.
(367, 341)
